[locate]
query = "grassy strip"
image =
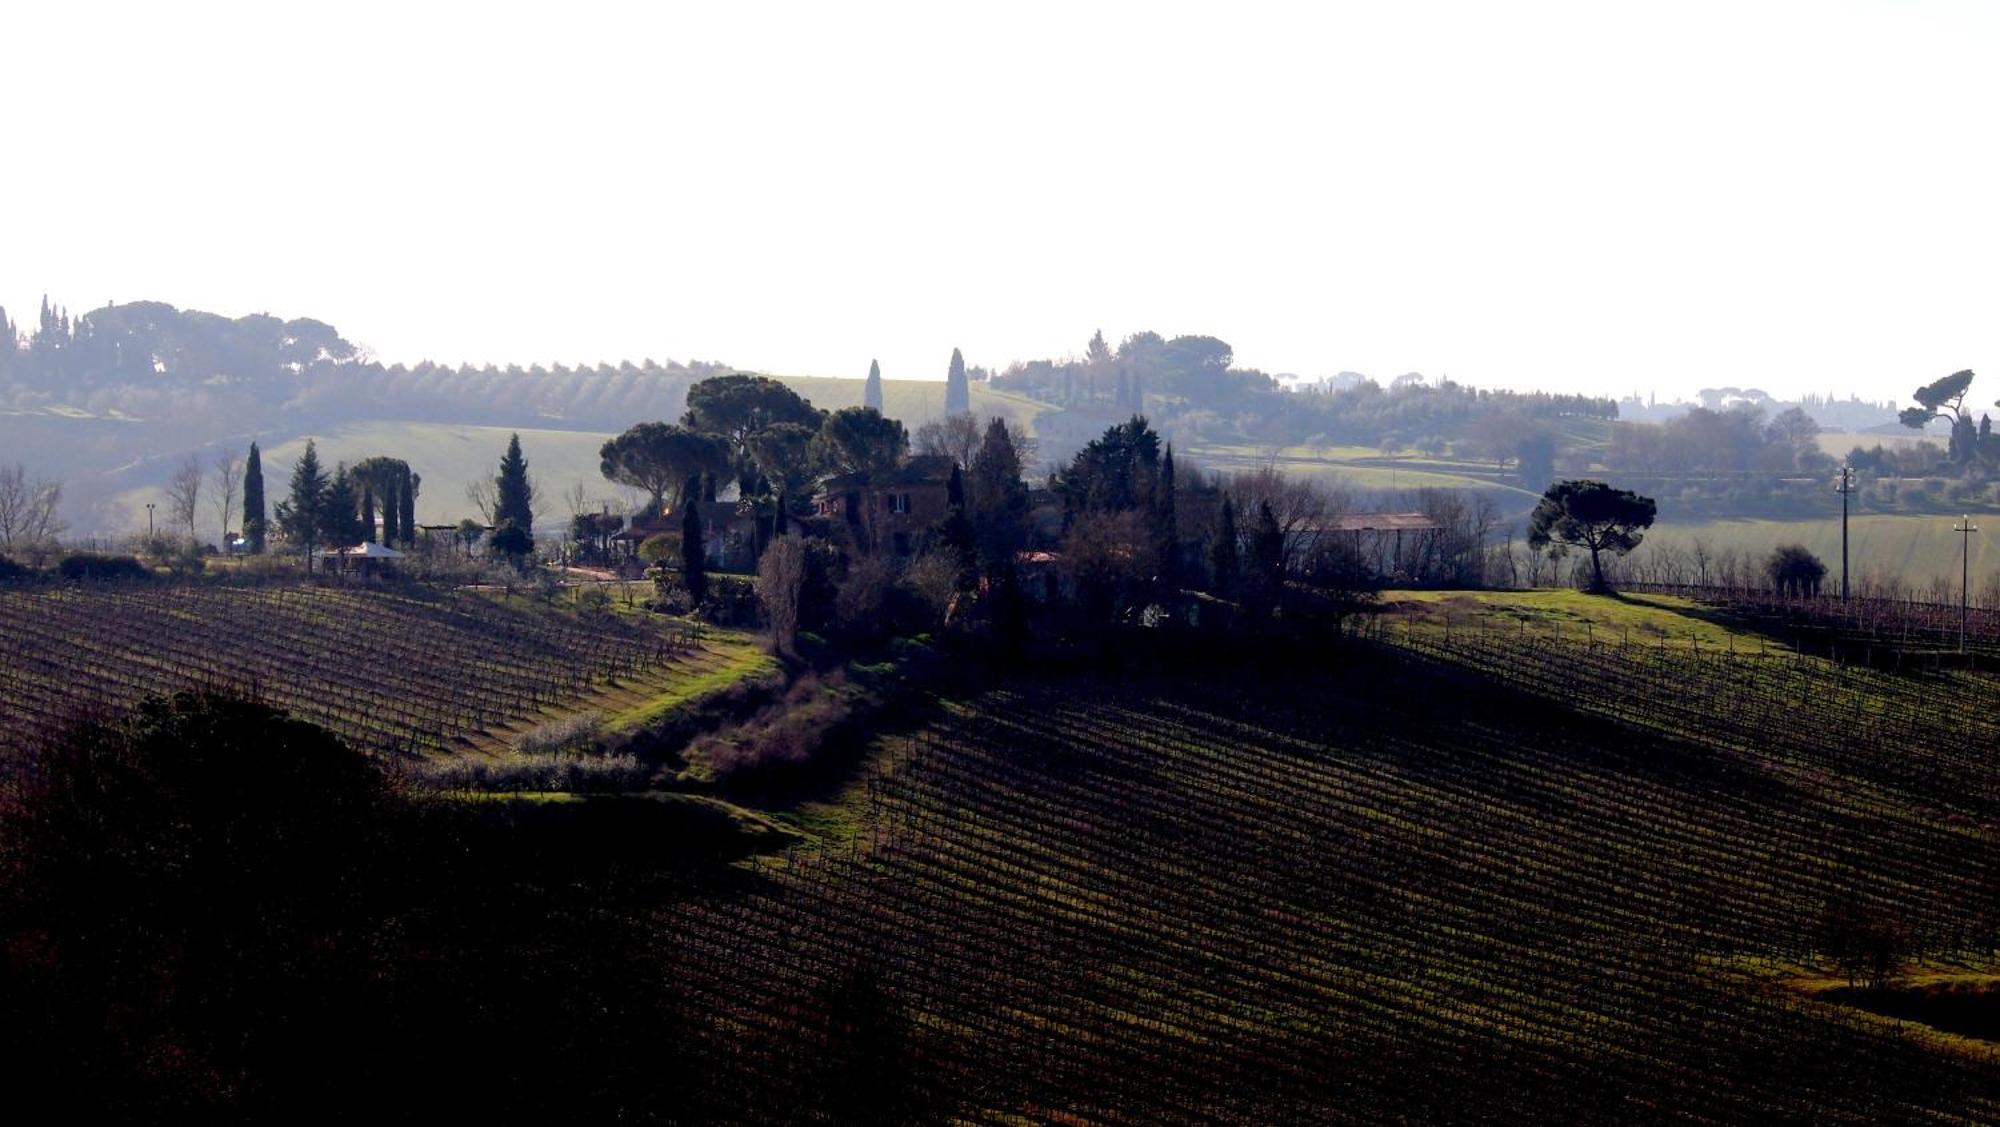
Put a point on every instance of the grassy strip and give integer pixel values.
(742, 660)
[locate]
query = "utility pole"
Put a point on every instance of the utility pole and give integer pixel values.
(149, 522)
(1845, 487)
(1965, 528)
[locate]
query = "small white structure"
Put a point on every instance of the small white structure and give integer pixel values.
(361, 558)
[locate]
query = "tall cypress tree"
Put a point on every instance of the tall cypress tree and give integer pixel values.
(408, 496)
(957, 392)
(957, 532)
(515, 500)
(1222, 553)
(367, 514)
(253, 500)
(392, 511)
(1267, 560)
(871, 392)
(1166, 524)
(694, 562)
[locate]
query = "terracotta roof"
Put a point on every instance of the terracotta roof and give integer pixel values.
(1380, 522)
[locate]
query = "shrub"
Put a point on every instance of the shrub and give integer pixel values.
(593, 601)
(90, 566)
(732, 601)
(571, 772)
(661, 546)
(567, 733)
(11, 570)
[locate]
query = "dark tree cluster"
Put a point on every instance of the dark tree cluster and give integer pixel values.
(216, 913)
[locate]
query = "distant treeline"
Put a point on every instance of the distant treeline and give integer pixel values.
(1191, 388)
(147, 360)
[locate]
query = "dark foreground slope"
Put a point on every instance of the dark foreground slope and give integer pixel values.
(1390, 888)
(1477, 879)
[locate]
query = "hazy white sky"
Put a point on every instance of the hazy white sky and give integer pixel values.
(1601, 196)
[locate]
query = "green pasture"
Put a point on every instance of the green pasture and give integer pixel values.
(1363, 468)
(1918, 548)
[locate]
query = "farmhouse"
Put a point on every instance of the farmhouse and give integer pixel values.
(893, 509)
(728, 531)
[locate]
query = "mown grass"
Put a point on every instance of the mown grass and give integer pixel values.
(1362, 467)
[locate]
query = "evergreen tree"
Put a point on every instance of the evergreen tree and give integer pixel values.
(999, 499)
(1166, 526)
(515, 496)
(1222, 552)
(368, 515)
(253, 500)
(1097, 353)
(300, 515)
(871, 392)
(392, 511)
(408, 496)
(957, 391)
(956, 532)
(694, 561)
(1267, 560)
(338, 527)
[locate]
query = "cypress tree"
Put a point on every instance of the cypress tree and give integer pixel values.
(871, 392)
(368, 514)
(694, 562)
(1267, 559)
(515, 499)
(1222, 553)
(253, 500)
(392, 510)
(957, 392)
(408, 496)
(1167, 527)
(957, 532)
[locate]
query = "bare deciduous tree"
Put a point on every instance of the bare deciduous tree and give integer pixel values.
(954, 436)
(781, 578)
(184, 493)
(1299, 505)
(228, 477)
(27, 508)
(482, 494)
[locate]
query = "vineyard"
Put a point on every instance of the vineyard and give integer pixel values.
(1490, 875)
(389, 669)
(1886, 622)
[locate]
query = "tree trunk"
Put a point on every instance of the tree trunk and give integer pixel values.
(1597, 570)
